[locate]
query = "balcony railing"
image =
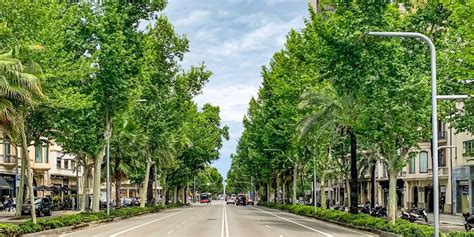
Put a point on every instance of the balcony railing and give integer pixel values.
(8, 160)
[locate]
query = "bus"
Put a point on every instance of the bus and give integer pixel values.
(205, 198)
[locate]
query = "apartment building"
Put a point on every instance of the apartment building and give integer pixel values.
(51, 168)
(415, 182)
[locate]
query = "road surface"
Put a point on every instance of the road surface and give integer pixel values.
(219, 220)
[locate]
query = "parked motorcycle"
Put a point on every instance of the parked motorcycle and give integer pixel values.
(365, 208)
(415, 214)
(379, 211)
(468, 221)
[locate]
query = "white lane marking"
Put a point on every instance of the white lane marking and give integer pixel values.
(226, 223)
(281, 235)
(169, 232)
(296, 223)
(146, 223)
(222, 222)
(267, 226)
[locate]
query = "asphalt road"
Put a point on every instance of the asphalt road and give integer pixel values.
(219, 220)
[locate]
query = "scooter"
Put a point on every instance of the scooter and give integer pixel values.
(414, 214)
(468, 221)
(379, 211)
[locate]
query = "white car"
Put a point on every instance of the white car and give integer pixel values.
(230, 200)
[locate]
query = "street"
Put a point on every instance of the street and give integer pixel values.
(221, 220)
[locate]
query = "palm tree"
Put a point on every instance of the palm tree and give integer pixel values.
(19, 93)
(327, 111)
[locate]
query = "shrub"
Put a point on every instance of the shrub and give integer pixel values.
(401, 227)
(71, 220)
(461, 234)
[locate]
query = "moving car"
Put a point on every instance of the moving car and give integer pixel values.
(241, 200)
(42, 207)
(230, 199)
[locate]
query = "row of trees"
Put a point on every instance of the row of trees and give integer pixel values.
(87, 73)
(347, 100)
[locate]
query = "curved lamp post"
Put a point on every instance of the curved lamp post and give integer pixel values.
(434, 115)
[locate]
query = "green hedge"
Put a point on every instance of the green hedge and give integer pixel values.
(401, 227)
(7, 229)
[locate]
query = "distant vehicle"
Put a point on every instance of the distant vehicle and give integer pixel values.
(205, 198)
(241, 200)
(42, 207)
(135, 201)
(230, 199)
(127, 202)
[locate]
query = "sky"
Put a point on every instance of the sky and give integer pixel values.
(234, 38)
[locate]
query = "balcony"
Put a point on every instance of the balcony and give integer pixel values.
(442, 171)
(8, 160)
(40, 166)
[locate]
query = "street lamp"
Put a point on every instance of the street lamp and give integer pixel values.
(434, 115)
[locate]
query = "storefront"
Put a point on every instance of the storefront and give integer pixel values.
(463, 183)
(7, 185)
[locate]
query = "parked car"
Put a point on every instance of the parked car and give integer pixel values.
(241, 200)
(135, 201)
(42, 207)
(230, 200)
(127, 202)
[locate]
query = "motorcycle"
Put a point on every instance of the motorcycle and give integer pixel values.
(415, 214)
(468, 221)
(379, 211)
(365, 209)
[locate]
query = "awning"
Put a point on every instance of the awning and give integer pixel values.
(4, 184)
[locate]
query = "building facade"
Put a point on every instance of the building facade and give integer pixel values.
(415, 182)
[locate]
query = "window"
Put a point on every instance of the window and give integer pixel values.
(66, 164)
(73, 164)
(47, 153)
(38, 153)
(6, 152)
(411, 165)
(442, 158)
(468, 148)
(423, 162)
(58, 163)
(384, 171)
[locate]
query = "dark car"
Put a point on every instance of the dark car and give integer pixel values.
(42, 207)
(135, 201)
(241, 200)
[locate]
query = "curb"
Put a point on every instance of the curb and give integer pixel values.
(62, 230)
(362, 228)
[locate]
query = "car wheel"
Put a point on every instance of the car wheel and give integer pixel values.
(467, 227)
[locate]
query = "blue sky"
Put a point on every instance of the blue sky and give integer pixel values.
(234, 38)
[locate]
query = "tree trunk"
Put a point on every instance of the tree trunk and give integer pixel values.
(145, 182)
(149, 194)
(348, 196)
(85, 185)
(353, 139)
(175, 194)
(118, 186)
(267, 192)
(284, 192)
(97, 181)
(392, 195)
(322, 192)
(24, 149)
(277, 193)
(21, 189)
(98, 166)
(295, 179)
(372, 186)
(156, 187)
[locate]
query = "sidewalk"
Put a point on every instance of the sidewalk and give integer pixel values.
(456, 220)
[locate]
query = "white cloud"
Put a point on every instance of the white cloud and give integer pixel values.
(195, 17)
(232, 100)
(267, 36)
